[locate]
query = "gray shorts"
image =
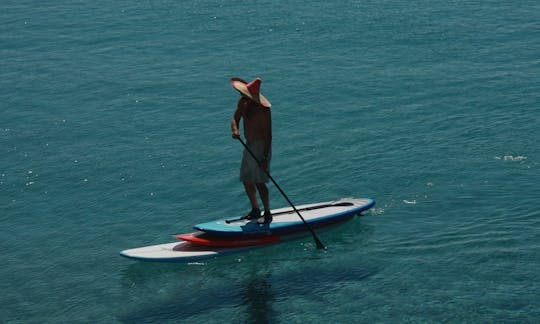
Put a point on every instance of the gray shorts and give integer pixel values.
(249, 169)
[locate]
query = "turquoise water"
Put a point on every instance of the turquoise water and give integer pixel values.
(114, 134)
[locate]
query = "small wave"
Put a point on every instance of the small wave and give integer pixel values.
(410, 202)
(376, 211)
(511, 158)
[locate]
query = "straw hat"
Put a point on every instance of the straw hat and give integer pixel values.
(251, 90)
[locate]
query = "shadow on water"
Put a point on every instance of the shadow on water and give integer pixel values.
(252, 294)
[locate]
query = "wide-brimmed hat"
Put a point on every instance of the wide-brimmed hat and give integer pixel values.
(251, 90)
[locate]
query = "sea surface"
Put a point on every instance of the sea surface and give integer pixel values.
(115, 134)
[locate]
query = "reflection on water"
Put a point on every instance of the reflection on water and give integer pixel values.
(250, 289)
(258, 298)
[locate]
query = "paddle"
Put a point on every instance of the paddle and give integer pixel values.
(317, 241)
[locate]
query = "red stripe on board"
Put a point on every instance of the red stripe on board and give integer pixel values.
(204, 239)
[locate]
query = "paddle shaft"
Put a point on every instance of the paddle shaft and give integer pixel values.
(320, 245)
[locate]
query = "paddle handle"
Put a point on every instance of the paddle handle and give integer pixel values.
(318, 242)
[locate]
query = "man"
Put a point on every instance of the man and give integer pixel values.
(254, 109)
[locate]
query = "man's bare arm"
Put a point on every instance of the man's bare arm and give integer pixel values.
(234, 123)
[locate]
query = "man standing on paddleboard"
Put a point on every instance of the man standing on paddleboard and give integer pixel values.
(254, 109)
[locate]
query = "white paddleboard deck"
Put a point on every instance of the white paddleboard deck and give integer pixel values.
(178, 252)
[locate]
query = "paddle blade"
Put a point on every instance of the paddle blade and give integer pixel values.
(320, 245)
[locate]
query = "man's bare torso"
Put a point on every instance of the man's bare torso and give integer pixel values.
(256, 120)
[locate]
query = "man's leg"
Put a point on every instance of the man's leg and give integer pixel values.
(263, 193)
(251, 192)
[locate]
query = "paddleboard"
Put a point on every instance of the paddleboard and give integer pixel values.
(286, 220)
(190, 252)
(201, 238)
(178, 252)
